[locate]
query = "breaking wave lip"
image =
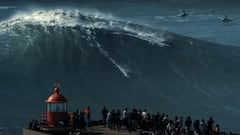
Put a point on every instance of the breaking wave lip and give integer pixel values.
(77, 18)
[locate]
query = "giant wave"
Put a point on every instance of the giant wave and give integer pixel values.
(101, 60)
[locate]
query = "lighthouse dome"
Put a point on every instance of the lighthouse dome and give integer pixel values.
(56, 97)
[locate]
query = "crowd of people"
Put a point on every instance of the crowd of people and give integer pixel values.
(144, 122)
(82, 119)
(158, 124)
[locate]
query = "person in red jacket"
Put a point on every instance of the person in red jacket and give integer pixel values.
(87, 115)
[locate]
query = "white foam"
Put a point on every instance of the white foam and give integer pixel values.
(85, 19)
(75, 18)
(123, 70)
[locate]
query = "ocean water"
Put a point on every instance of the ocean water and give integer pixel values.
(137, 53)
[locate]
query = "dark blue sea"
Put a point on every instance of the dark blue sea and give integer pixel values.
(128, 53)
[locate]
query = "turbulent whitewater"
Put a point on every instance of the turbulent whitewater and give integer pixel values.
(27, 28)
(102, 60)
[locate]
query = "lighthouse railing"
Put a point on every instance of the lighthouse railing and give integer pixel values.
(43, 120)
(71, 117)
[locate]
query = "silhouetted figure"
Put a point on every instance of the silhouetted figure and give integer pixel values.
(180, 124)
(155, 122)
(134, 117)
(176, 125)
(82, 121)
(210, 125)
(226, 19)
(188, 123)
(196, 126)
(75, 120)
(113, 117)
(104, 115)
(118, 119)
(203, 127)
(35, 125)
(31, 124)
(184, 13)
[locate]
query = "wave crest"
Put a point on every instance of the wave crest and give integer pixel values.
(86, 20)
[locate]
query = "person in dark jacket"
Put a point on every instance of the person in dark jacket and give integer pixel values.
(104, 115)
(210, 125)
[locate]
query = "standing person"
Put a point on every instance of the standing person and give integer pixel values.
(87, 115)
(118, 120)
(176, 125)
(35, 125)
(125, 116)
(144, 119)
(188, 123)
(113, 124)
(210, 125)
(109, 119)
(170, 128)
(203, 127)
(196, 126)
(77, 121)
(31, 124)
(180, 124)
(217, 130)
(104, 115)
(165, 122)
(82, 122)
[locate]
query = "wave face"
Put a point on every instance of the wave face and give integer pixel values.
(100, 60)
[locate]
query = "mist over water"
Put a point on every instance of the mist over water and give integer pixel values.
(102, 56)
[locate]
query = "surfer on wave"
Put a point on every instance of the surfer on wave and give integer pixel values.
(226, 19)
(183, 14)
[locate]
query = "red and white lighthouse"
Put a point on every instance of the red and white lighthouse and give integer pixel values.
(56, 117)
(57, 113)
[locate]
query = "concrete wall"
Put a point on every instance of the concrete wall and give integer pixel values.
(33, 132)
